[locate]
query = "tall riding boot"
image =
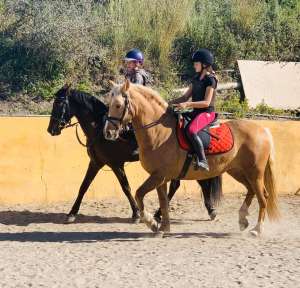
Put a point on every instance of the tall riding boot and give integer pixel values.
(130, 137)
(134, 145)
(199, 150)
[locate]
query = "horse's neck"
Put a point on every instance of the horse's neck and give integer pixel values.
(150, 138)
(85, 126)
(87, 123)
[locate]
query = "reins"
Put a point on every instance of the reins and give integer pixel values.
(78, 138)
(69, 125)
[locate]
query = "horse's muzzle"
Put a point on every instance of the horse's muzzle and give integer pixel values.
(110, 134)
(53, 132)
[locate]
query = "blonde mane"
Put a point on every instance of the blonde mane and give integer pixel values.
(150, 95)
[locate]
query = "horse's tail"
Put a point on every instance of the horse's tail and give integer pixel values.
(270, 183)
(213, 187)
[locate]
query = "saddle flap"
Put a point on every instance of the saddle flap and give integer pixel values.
(181, 123)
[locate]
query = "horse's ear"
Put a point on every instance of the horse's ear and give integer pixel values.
(67, 87)
(112, 83)
(106, 99)
(125, 86)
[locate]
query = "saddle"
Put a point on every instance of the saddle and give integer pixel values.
(216, 137)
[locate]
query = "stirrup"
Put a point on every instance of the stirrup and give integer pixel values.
(201, 165)
(135, 152)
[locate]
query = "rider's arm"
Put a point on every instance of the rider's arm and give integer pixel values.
(209, 92)
(185, 97)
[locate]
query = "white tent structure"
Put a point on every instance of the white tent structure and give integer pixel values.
(276, 84)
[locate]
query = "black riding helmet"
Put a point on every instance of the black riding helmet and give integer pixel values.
(204, 56)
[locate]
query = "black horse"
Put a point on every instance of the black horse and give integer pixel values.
(90, 113)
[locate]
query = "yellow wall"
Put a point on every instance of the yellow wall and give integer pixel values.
(35, 167)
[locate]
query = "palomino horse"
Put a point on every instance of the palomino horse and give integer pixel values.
(91, 113)
(250, 161)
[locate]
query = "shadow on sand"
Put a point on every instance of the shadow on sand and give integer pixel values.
(88, 237)
(24, 218)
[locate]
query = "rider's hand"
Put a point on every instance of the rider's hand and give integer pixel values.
(181, 106)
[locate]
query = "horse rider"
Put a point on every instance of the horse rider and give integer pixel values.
(202, 92)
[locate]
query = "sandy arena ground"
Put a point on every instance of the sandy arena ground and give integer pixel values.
(103, 249)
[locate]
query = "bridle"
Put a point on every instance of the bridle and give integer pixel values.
(126, 109)
(62, 123)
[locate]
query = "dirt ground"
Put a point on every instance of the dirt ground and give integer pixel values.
(104, 249)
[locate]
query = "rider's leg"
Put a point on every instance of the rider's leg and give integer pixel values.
(199, 150)
(196, 125)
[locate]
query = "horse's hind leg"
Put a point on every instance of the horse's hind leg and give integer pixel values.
(88, 179)
(209, 205)
(258, 187)
(122, 178)
(174, 185)
(243, 212)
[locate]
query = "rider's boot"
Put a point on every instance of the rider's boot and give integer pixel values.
(197, 144)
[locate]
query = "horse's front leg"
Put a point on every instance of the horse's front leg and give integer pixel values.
(164, 206)
(155, 180)
(120, 173)
(88, 179)
(174, 185)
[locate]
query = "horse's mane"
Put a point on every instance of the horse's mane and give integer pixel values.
(150, 95)
(89, 102)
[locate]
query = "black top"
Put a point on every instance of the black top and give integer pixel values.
(199, 90)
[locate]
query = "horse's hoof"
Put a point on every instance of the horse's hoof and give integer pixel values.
(154, 226)
(254, 233)
(165, 229)
(213, 215)
(136, 218)
(70, 219)
(243, 224)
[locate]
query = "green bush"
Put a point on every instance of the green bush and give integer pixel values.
(47, 41)
(232, 104)
(263, 108)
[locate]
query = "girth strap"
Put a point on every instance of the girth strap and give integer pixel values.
(186, 165)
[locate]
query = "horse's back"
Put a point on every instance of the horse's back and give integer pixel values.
(246, 129)
(253, 142)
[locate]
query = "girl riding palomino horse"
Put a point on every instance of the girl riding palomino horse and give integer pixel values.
(250, 160)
